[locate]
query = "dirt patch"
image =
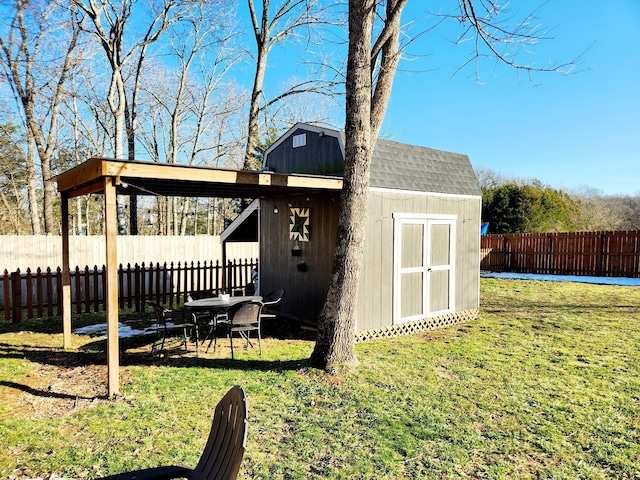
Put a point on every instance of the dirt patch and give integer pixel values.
(51, 391)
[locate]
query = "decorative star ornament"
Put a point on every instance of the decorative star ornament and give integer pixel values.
(299, 224)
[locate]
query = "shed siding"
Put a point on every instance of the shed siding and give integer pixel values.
(375, 309)
(305, 292)
(320, 156)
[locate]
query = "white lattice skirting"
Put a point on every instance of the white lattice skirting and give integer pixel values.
(410, 328)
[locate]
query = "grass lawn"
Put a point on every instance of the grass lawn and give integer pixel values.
(544, 384)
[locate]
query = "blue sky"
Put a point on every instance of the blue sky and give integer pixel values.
(568, 131)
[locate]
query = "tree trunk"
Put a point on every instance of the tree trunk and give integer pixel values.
(116, 101)
(253, 131)
(32, 188)
(335, 345)
(50, 226)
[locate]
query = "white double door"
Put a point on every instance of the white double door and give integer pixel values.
(424, 266)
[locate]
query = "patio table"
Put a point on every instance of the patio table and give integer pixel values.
(217, 306)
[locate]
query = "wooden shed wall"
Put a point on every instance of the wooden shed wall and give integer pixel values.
(321, 155)
(307, 290)
(375, 299)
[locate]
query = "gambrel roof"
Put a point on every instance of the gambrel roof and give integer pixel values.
(308, 149)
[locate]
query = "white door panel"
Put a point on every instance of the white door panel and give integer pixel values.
(424, 260)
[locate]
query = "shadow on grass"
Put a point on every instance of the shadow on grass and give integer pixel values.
(135, 351)
(45, 393)
(94, 354)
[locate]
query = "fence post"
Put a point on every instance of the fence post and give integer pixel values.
(16, 290)
(551, 265)
(164, 283)
(6, 283)
(96, 290)
(128, 279)
(78, 290)
(218, 276)
(39, 292)
(172, 297)
(505, 246)
(600, 250)
(87, 290)
(29, 298)
(120, 286)
(136, 288)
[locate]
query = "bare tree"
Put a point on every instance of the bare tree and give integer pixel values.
(38, 52)
(371, 67)
(13, 211)
(115, 30)
(273, 26)
(190, 103)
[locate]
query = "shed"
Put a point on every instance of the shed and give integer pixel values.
(421, 267)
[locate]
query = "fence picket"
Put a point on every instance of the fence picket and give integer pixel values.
(7, 292)
(29, 285)
(96, 291)
(39, 292)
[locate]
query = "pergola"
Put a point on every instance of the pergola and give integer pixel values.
(112, 177)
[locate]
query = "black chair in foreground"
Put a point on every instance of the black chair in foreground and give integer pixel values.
(165, 319)
(223, 452)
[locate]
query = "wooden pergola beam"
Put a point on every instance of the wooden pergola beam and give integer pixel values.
(66, 275)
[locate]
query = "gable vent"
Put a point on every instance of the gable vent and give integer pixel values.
(299, 140)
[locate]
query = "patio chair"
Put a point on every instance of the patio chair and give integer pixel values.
(223, 451)
(245, 320)
(271, 304)
(165, 319)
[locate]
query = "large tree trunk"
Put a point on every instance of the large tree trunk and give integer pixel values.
(335, 345)
(253, 130)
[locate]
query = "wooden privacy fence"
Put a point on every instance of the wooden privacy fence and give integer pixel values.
(603, 254)
(39, 293)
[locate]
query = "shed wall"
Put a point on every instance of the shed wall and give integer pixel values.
(305, 291)
(375, 298)
(320, 155)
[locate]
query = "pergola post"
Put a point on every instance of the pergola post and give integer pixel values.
(111, 300)
(224, 267)
(66, 276)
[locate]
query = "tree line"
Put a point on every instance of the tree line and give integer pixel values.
(171, 81)
(529, 206)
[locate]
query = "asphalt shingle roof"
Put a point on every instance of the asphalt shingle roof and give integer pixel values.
(409, 167)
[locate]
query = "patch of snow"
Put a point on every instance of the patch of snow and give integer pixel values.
(124, 331)
(564, 278)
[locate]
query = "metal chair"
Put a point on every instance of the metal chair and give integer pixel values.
(245, 320)
(271, 304)
(223, 452)
(165, 319)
